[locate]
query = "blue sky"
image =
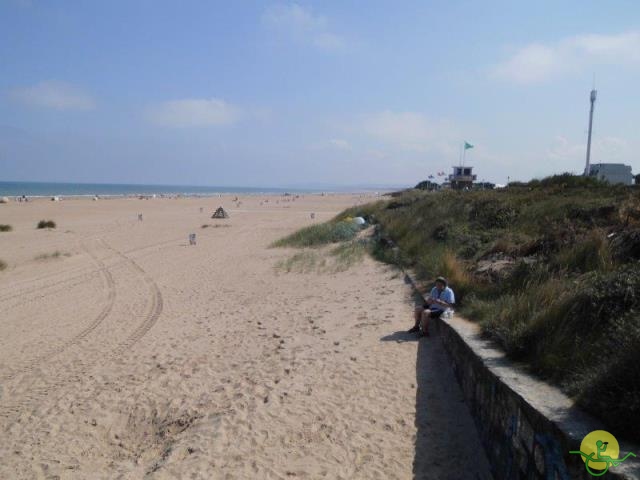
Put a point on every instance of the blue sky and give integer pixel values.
(271, 94)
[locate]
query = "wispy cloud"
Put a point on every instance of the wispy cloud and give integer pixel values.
(411, 131)
(194, 112)
(340, 144)
(52, 94)
(538, 62)
(604, 149)
(332, 144)
(302, 25)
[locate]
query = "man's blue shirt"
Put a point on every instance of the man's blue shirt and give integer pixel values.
(446, 295)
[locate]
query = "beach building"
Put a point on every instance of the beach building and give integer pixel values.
(462, 178)
(613, 173)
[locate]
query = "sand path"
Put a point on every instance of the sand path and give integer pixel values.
(138, 356)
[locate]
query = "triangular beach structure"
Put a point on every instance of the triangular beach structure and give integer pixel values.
(220, 213)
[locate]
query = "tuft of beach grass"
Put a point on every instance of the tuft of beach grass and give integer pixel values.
(52, 256)
(46, 224)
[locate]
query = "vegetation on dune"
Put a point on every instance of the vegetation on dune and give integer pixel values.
(306, 261)
(216, 225)
(349, 253)
(550, 269)
(329, 260)
(5, 228)
(320, 234)
(3, 265)
(51, 256)
(326, 247)
(46, 224)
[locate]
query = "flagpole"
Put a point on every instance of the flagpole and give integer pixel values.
(464, 153)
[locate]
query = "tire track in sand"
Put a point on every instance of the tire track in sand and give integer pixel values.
(79, 274)
(42, 290)
(78, 337)
(150, 319)
(155, 309)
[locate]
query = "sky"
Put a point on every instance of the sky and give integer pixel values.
(254, 93)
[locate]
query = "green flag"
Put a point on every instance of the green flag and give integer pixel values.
(467, 146)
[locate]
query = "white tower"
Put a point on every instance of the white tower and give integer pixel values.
(593, 102)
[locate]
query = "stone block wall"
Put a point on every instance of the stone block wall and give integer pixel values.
(527, 426)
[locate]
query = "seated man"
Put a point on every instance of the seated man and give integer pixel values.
(440, 298)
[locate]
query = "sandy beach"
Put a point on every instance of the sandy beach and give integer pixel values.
(131, 354)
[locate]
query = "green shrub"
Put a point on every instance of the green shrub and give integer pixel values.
(527, 274)
(46, 224)
(5, 228)
(604, 296)
(625, 246)
(569, 180)
(512, 318)
(492, 213)
(613, 389)
(591, 253)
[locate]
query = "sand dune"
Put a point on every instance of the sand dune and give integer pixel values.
(139, 356)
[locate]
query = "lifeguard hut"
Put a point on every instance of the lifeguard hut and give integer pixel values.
(462, 178)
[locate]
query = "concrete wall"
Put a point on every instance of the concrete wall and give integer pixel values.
(527, 427)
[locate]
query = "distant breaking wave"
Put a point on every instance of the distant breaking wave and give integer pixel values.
(42, 189)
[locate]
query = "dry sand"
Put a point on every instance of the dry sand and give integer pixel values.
(135, 355)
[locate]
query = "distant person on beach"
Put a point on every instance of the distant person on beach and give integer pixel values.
(440, 298)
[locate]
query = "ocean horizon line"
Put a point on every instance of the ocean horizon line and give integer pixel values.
(17, 188)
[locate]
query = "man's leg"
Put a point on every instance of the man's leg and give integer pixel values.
(417, 316)
(426, 315)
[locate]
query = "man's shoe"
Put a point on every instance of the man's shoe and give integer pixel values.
(413, 329)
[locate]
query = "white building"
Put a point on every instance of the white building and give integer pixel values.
(612, 172)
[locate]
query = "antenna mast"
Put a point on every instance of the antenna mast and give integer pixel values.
(593, 102)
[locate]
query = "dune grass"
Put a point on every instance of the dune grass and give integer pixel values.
(328, 247)
(349, 253)
(301, 262)
(568, 302)
(5, 228)
(320, 234)
(216, 225)
(328, 260)
(46, 224)
(3, 265)
(51, 256)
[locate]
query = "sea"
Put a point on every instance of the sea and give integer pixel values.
(42, 189)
